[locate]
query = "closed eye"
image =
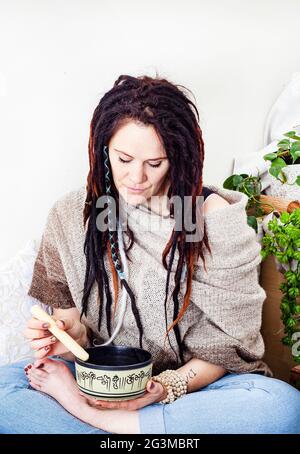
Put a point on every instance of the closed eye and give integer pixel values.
(123, 160)
(127, 162)
(155, 165)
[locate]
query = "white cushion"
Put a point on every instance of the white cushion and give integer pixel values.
(15, 280)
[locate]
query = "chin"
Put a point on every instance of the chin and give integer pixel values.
(133, 199)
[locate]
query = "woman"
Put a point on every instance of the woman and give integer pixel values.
(194, 301)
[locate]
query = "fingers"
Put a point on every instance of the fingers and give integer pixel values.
(154, 387)
(155, 393)
(90, 400)
(37, 324)
(37, 344)
(36, 329)
(75, 328)
(134, 404)
(44, 343)
(43, 352)
(30, 333)
(65, 323)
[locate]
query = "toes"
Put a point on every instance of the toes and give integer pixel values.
(52, 365)
(44, 363)
(42, 352)
(35, 385)
(27, 368)
(39, 363)
(39, 375)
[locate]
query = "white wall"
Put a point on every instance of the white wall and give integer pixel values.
(58, 57)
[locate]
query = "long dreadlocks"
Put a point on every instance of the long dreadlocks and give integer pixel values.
(167, 107)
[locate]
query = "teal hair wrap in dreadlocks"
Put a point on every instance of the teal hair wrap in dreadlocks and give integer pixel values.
(111, 233)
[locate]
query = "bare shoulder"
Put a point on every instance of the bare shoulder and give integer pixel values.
(214, 202)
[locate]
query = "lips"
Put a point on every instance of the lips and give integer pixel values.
(135, 190)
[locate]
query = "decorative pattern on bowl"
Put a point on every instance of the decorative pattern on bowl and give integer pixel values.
(114, 372)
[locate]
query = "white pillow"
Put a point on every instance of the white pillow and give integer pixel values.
(285, 113)
(15, 280)
(283, 117)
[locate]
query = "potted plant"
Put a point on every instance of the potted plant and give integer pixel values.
(282, 240)
(285, 167)
(251, 186)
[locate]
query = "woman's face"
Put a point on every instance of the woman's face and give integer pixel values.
(139, 162)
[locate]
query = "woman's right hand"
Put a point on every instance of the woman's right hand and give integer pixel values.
(44, 343)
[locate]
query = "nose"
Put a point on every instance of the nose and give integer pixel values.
(137, 175)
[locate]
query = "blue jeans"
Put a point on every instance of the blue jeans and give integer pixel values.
(236, 403)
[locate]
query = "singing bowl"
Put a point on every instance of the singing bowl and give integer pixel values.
(114, 372)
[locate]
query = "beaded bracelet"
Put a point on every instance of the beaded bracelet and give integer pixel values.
(175, 384)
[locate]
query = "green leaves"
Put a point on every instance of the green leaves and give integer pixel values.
(273, 225)
(293, 292)
(283, 242)
(284, 144)
(292, 135)
(286, 340)
(285, 308)
(295, 150)
(229, 183)
(270, 156)
(235, 181)
(290, 323)
(288, 153)
(251, 186)
(252, 222)
(276, 166)
(285, 217)
(295, 218)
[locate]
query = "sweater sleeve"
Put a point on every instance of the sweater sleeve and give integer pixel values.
(49, 284)
(227, 298)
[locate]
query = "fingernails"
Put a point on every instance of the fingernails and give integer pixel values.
(45, 325)
(61, 321)
(53, 339)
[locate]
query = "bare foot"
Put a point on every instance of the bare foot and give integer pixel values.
(55, 379)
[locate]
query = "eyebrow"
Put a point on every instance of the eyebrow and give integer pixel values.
(154, 159)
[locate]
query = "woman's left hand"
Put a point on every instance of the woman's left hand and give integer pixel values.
(155, 392)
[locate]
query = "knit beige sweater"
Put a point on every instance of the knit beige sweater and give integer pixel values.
(222, 323)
